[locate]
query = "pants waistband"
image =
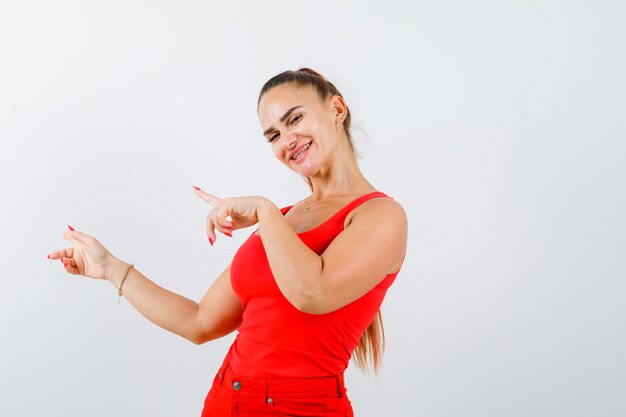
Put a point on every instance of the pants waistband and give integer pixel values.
(332, 386)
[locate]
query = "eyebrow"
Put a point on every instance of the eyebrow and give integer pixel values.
(282, 119)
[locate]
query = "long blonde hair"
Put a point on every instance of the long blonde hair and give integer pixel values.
(371, 345)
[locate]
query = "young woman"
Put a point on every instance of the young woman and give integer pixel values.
(304, 290)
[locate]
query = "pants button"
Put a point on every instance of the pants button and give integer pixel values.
(236, 385)
(269, 401)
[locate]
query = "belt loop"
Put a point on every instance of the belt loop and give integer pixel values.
(267, 400)
(221, 373)
(340, 386)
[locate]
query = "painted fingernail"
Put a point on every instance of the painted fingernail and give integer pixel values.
(195, 187)
(70, 227)
(210, 240)
(48, 256)
(228, 234)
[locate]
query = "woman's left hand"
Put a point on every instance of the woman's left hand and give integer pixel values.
(243, 212)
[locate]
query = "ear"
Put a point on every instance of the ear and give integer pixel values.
(338, 108)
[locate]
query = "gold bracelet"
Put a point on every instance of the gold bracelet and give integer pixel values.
(119, 287)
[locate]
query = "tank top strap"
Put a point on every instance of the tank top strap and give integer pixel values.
(357, 202)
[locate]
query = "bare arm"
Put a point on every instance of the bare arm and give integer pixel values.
(356, 260)
(220, 310)
(215, 316)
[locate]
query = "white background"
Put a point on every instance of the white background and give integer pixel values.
(500, 127)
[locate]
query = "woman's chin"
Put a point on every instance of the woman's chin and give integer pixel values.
(306, 170)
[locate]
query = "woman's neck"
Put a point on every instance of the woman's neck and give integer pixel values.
(333, 184)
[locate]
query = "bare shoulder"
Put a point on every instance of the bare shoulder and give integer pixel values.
(385, 219)
(381, 211)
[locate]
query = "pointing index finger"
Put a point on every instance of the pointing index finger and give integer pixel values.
(209, 198)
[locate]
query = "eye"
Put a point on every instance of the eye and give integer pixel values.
(273, 138)
(297, 118)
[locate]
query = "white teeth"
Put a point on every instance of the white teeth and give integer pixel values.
(304, 148)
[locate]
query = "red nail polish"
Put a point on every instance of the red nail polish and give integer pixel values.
(195, 187)
(228, 234)
(70, 227)
(48, 256)
(211, 240)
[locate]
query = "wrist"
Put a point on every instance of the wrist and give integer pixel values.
(115, 270)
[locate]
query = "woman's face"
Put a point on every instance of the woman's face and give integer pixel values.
(300, 128)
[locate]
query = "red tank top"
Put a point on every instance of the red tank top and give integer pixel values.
(276, 340)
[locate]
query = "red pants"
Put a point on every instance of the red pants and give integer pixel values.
(232, 395)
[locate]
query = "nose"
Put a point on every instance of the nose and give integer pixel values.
(290, 142)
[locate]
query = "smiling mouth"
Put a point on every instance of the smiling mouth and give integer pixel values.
(301, 151)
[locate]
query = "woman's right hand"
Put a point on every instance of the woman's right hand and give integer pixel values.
(87, 257)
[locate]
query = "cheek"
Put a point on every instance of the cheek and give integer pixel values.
(309, 126)
(322, 130)
(276, 151)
